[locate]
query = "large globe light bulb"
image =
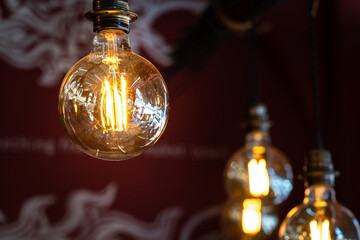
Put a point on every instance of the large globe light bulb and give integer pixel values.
(320, 216)
(113, 104)
(259, 170)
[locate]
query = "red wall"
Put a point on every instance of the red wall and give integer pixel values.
(175, 191)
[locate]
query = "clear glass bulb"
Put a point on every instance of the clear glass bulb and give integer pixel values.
(248, 219)
(320, 217)
(259, 170)
(113, 104)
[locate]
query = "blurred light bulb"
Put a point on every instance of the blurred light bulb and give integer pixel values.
(259, 170)
(248, 219)
(257, 177)
(251, 216)
(320, 217)
(113, 104)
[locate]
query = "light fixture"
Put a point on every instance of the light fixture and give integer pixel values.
(113, 104)
(257, 177)
(258, 169)
(320, 216)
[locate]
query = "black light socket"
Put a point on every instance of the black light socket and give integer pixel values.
(111, 14)
(257, 118)
(319, 169)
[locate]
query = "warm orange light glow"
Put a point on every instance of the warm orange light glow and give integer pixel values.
(113, 101)
(251, 216)
(113, 105)
(259, 182)
(320, 231)
(258, 150)
(75, 107)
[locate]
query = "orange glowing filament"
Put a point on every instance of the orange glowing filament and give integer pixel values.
(113, 101)
(113, 105)
(320, 231)
(259, 182)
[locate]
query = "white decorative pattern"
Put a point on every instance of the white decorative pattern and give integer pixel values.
(51, 35)
(87, 217)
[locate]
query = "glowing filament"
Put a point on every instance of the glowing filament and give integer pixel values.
(251, 216)
(320, 231)
(258, 178)
(113, 106)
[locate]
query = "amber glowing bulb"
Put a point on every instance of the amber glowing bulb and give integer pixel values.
(113, 104)
(259, 170)
(320, 216)
(257, 177)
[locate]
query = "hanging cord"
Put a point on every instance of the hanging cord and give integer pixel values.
(318, 143)
(254, 75)
(318, 168)
(257, 117)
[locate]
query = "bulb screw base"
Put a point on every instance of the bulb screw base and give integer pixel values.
(258, 118)
(319, 169)
(111, 14)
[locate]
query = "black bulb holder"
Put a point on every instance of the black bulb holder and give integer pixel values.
(257, 118)
(319, 169)
(111, 14)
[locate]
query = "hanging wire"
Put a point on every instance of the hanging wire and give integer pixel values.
(318, 143)
(254, 77)
(318, 168)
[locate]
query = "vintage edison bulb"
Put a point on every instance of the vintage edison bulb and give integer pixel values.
(248, 219)
(259, 170)
(113, 104)
(320, 217)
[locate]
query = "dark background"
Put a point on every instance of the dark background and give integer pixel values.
(208, 105)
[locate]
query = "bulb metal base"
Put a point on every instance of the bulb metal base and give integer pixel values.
(111, 14)
(319, 169)
(258, 118)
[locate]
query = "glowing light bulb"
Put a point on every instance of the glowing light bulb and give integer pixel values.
(113, 104)
(320, 217)
(257, 177)
(248, 219)
(251, 216)
(259, 170)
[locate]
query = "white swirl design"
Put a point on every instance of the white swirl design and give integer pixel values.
(87, 218)
(53, 35)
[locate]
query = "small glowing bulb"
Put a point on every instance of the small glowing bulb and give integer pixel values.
(259, 170)
(320, 231)
(113, 104)
(258, 178)
(251, 216)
